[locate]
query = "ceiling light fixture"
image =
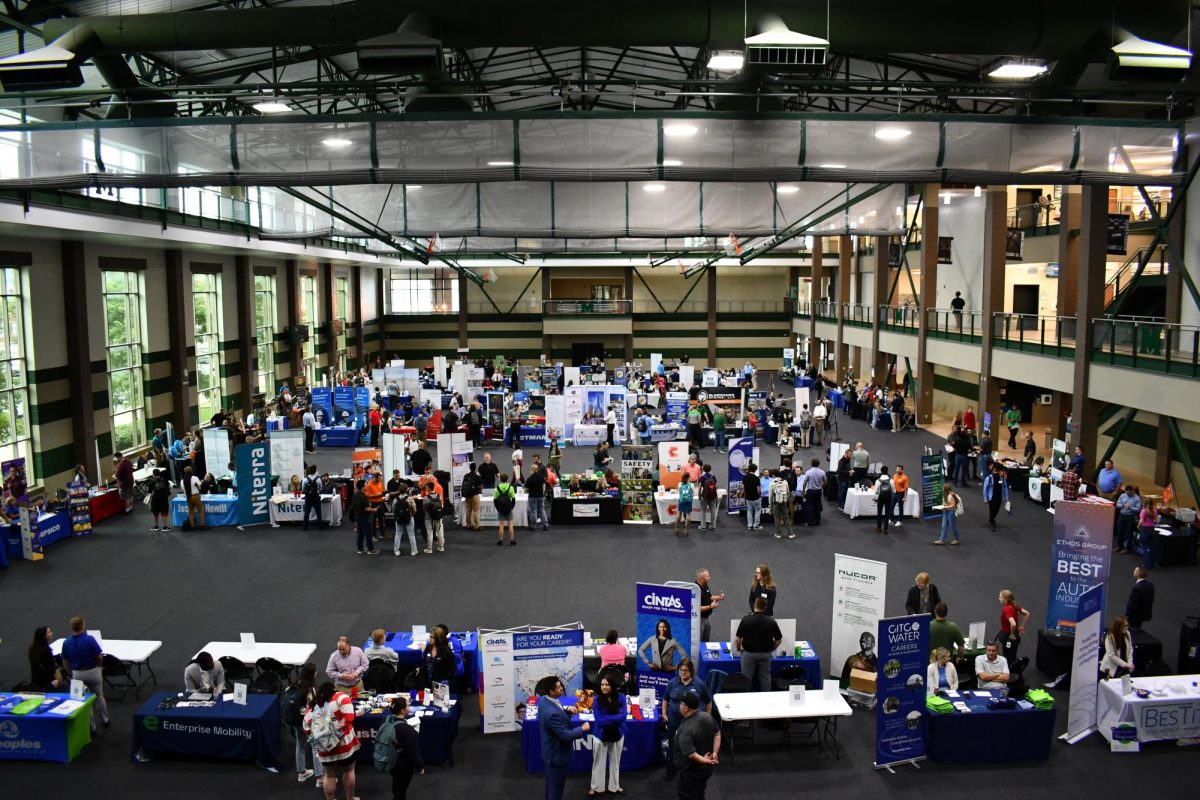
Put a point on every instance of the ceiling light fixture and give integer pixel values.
(500, 163)
(1018, 69)
(892, 134)
(832, 166)
(680, 130)
(336, 143)
(672, 162)
(726, 60)
(654, 188)
(978, 190)
(271, 105)
(1140, 58)
(412, 187)
(788, 189)
(946, 199)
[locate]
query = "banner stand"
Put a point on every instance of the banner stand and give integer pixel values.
(899, 713)
(253, 466)
(1081, 716)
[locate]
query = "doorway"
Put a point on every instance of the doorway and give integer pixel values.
(1027, 208)
(1025, 301)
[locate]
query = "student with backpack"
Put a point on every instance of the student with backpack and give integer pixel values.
(434, 529)
(472, 488)
(398, 749)
(404, 512)
(312, 495)
(780, 495)
(329, 721)
(805, 421)
(505, 499)
(883, 501)
(687, 494)
(296, 699)
(708, 499)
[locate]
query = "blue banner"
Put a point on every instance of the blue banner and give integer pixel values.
(658, 605)
(536, 654)
(322, 406)
(254, 483)
(741, 451)
(344, 413)
(900, 689)
(1079, 558)
(362, 404)
(677, 407)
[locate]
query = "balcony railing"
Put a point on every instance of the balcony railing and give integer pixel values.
(946, 323)
(1031, 333)
(803, 308)
(826, 311)
(856, 314)
(905, 319)
(1148, 344)
(587, 307)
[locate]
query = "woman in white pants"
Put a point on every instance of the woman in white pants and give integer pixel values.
(608, 738)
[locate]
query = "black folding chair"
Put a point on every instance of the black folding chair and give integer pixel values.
(736, 683)
(236, 670)
(116, 676)
(274, 666)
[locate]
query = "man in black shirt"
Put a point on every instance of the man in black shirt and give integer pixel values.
(757, 637)
(708, 604)
(697, 747)
(488, 472)
(535, 489)
(957, 305)
(420, 459)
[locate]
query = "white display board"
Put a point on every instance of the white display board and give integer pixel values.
(460, 450)
(687, 375)
(556, 417)
(835, 452)
(216, 451)
(392, 445)
(287, 454)
(710, 379)
(859, 587)
(440, 370)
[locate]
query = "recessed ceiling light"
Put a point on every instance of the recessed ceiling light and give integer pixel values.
(655, 188)
(788, 189)
(978, 190)
(672, 162)
(1018, 70)
(726, 60)
(412, 186)
(500, 163)
(946, 199)
(892, 134)
(336, 142)
(832, 166)
(271, 105)
(680, 129)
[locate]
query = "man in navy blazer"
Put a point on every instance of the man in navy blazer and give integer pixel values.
(557, 734)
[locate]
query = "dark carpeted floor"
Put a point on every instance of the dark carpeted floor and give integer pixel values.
(287, 585)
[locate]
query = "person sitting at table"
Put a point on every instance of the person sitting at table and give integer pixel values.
(991, 668)
(612, 652)
(659, 651)
(437, 660)
(204, 674)
(1118, 650)
(346, 665)
(574, 487)
(209, 485)
(612, 479)
(295, 486)
(12, 511)
(380, 651)
(941, 675)
(44, 673)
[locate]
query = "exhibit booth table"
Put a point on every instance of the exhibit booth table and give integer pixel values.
(220, 510)
(589, 435)
(988, 736)
(823, 706)
(534, 436)
(436, 733)
(487, 510)
(1171, 709)
(861, 503)
(667, 504)
(1037, 489)
(291, 654)
(58, 730)
(289, 508)
(836, 399)
(105, 504)
(717, 656)
(1173, 546)
(598, 510)
(213, 729)
(337, 437)
(1018, 476)
(130, 652)
(641, 742)
(1055, 652)
(51, 528)
(667, 432)
(408, 652)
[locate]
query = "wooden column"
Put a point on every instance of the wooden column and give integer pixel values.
(79, 361)
(547, 345)
(464, 317)
(995, 234)
(878, 357)
(926, 299)
(711, 278)
(326, 280)
(814, 282)
(291, 274)
(1089, 304)
(247, 332)
(1068, 249)
(178, 297)
(1175, 290)
(841, 353)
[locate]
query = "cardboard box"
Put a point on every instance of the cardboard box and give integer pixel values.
(862, 681)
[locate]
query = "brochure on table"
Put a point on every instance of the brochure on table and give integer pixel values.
(899, 713)
(512, 661)
(1080, 553)
(677, 604)
(287, 454)
(859, 588)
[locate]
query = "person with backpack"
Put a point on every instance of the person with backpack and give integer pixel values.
(883, 501)
(505, 499)
(296, 699)
(474, 421)
(687, 494)
(312, 495)
(805, 422)
(780, 495)
(435, 531)
(642, 423)
(329, 721)
(472, 488)
(421, 424)
(404, 512)
(363, 519)
(708, 499)
(787, 444)
(398, 749)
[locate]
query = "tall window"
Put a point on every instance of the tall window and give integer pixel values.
(14, 389)
(207, 308)
(118, 161)
(422, 291)
(308, 318)
(264, 330)
(123, 343)
(341, 311)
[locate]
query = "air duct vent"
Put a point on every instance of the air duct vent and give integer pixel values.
(411, 50)
(49, 67)
(783, 50)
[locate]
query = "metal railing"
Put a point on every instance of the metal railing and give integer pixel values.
(669, 306)
(803, 308)
(1146, 344)
(856, 314)
(599, 307)
(946, 323)
(1157, 265)
(1047, 335)
(826, 310)
(903, 318)
(1035, 219)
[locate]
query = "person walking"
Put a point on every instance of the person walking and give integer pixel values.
(504, 497)
(1012, 625)
(995, 492)
(303, 692)
(1013, 418)
(406, 744)
(608, 738)
(899, 495)
(709, 498)
(779, 495)
(557, 734)
(404, 512)
(687, 494)
(951, 508)
(312, 495)
(1147, 517)
(160, 501)
(330, 721)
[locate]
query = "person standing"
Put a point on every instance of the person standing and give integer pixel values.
(346, 666)
(608, 740)
(860, 461)
(488, 472)
(375, 420)
(1013, 418)
(687, 495)
(1030, 449)
(1129, 508)
(764, 587)
(1118, 650)
(333, 710)
(757, 637)
(123, 475)
(899, 495)
(1012, 625)
(312, 495)
(304, 691)
(752, 491)
(956, 308)
(160, 501)
(843, 472)
(363, 519)
(883, 501)
(1146, 520)
(719, 436)
(557, 734)
(1108, 482)
(195, 505)
(82, 660)
(709, 498)
(708, 604)
(475, 424)
(951, 504)
(435, 526)
(779, 495)
(404, 511)
(923, 596)
(535, 492)
(472, 488)
(1139, 608)
(968, 419)
(403, 737)
(504, 497)
(820, 418)
(421, 426)
(309, 421)
(697, 746)
(554, 456)
(610, 422)
(995, 492)
(683, 684)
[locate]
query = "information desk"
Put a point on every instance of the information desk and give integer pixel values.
(288, 508)
(223, 730)
(667, 504)
(824, 705)
(44, 735)
(861, 503)
(720, 658)
(590, 435)
(105, 504)
(436, 733)
(640, 750)
(988, 736)
(600, 510)
(487, 510)
(465, 645)
(337, 437)
(1172, 711)
(667, 432)
(286, 653)
(220, 510)
(131, 652)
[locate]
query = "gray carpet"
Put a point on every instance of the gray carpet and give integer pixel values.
(287, 585)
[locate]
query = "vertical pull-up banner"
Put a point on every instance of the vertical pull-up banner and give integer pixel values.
(1081, 718)
(676, 606)
(253, 464)
(1079, 558)
(899, 710)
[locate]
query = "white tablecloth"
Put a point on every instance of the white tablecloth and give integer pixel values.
(861, 503)
(487, 511)
(667, 504)
(1172, 711)
(289, 508)
(590, 435)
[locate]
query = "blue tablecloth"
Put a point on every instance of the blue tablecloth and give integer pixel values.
(437, 735)
(641, 746)
(219, 510)
(51, 528)
(724, 661)
(337, 437)
(531, 436)
(803, 382)
(225, 731)
(836, 398)
(464, 644)
(42, 736)
(988, 737)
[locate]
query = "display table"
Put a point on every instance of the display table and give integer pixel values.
(130, 652)
(1171, 547)
(105, 504)
(988, 736)
(224, 730)
(220, 510)
(288, 508)
(836, 399)
(589, 435)
(436, 733)
(51, 528)
(640, 749)
(1055, 652)
(667, 432)
(861, 503)
(487, 510)
(465, 645)
(1037, 489)
(44, 736)
(667, 504)
(824, 705)
(719, 657)
(600, 510)
(287, 653)
(534, 436)
(337, 437)
(1172, 711)
(1018, 476)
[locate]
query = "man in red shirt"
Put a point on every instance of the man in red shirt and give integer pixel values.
(969, 418)
(123, 474)
(374, 421)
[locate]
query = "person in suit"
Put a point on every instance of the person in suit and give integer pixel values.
(1140, 606)
(923, 596)
(557, 733)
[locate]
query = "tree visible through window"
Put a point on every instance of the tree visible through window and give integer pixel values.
(123, 345)
(264, 330)
(308, 318)
(14, 391)
(207, 307)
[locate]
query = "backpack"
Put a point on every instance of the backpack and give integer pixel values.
(292, 710)
(433, 506)
(885, 486)
(401, 510)
(805, 419)
(312, 489)
(386, 755)
(686, 492)
(324, 731)
(779, 491)
(505, 501)
(708, 487)
(471, 484)
(643, 424)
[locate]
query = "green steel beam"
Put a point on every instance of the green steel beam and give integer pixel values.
(356, 222)
(801, 228)
(521, 293)
(1182, 452)
(1117, 437)
(653, 296)
(688, 294)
